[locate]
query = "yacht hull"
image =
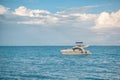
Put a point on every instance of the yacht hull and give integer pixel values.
(76, 52)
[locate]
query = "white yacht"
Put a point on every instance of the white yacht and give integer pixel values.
(79, 49)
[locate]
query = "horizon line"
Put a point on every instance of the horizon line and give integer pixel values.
(51, 45)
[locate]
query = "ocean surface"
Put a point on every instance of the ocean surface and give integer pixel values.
(47, 63)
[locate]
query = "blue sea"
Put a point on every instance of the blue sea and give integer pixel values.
(47, 63)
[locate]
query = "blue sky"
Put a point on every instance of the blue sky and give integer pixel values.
(55, 5)
(59, 22)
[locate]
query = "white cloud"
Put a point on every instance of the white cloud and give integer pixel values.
(36, 22)
(3, 9)
(107, 20)
(105, 26)
(44, 21)
(44, 17)
(23, 11)
(35, 17)
(78, 9)
(84, 16)
(103, 20)
(75, 13)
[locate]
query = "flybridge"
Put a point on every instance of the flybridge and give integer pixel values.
(79, 43)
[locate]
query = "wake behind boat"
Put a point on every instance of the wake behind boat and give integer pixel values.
(77, 50)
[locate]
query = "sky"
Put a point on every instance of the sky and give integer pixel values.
(59, 22)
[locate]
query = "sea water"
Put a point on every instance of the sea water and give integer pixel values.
(47, 63)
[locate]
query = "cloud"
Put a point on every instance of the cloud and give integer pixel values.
(107, 20)
(78, 9)
(108, 24)
(34, 17)
(76, 25)
(80, 16)
(23, 11)
(104, 20)
(3, 9)
(107, 27)
(23, 15)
